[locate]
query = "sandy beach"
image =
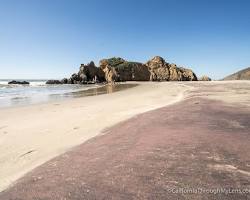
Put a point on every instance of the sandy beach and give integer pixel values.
(189, 135)
(31, 135)
(128, 100)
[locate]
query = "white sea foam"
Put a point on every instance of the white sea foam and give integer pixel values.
(36, 91)
(38, 83)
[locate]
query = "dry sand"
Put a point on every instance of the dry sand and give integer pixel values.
(233, 92)
(31, 135)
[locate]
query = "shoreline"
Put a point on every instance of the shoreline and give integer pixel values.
(43, 131)
(42, 94)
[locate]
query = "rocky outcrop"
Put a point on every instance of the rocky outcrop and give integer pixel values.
(117, 69)
(160, 70)
(87, 74)
(52, 82)
(19, 82)
(90, 72)
(64, 81)
(240, 75)
(204, 78)
(156, 69)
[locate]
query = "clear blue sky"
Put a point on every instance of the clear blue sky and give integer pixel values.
(51, 38)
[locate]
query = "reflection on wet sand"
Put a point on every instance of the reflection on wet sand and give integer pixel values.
(20, 101)
(27, 100)
(95, 91)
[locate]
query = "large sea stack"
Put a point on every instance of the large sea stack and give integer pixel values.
(117, 69)
(156, 69)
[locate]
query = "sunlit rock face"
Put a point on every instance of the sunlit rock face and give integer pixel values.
(117, 69)
(156, 69)
(160, 70)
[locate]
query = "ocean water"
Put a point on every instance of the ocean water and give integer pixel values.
(36, 92)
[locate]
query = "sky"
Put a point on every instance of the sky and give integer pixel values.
(42, 39)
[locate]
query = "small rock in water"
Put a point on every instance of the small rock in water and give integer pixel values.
(19, 82)
(53, 82)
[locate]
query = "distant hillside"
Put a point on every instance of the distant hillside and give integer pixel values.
(240, 75)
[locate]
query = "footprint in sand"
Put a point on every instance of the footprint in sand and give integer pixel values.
(2, 127)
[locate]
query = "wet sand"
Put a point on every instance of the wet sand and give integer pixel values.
(41, 94)
(106, 89)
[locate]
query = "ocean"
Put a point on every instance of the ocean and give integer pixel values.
(36, 92)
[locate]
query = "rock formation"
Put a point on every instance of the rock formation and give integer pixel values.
(240, 75)
(160, 70)
(204, 78)
(53, 82)
(19, 82)
(87, 74)
(156, 69)
(117, 69)
(90, 72)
